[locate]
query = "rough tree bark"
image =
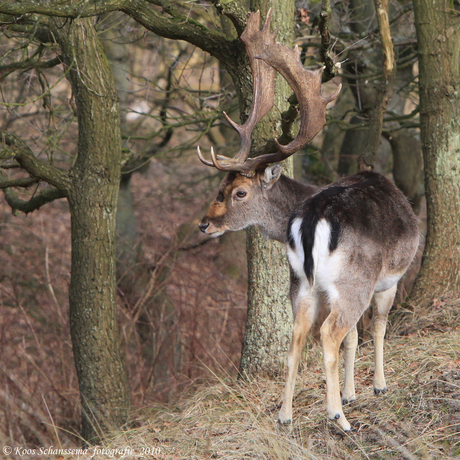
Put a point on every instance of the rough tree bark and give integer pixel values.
(92, 197)
(438, 35)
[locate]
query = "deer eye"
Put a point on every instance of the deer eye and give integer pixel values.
(241, 194)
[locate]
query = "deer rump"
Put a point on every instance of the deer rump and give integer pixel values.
(362, 221)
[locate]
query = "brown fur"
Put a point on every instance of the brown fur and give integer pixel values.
(269, 201)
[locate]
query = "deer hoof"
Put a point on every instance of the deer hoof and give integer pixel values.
(341, 420)
(343, 423)
(285, 416)
(380, 391)
(285, 422)
(348, 400)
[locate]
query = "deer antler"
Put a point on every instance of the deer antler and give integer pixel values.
(263, 79)
(306, 85)
(266, 57)
(263, 92)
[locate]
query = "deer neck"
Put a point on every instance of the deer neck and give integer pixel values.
(280, 201)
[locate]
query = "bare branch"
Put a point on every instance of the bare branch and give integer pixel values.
(180, 27)
(24, 182)
(381, 7)
(45, 196)
(29, 64)
(13, 147)
(330, 69)
(60, 8)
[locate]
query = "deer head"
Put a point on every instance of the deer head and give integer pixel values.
(242, 201)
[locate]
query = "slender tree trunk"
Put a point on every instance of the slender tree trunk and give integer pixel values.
(93, 204)
(405, 143)
(372, 97)
(269, 321)
(438, 35)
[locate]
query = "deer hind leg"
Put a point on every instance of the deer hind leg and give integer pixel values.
(382, 305)
(350, 343)
(304, 319)
(333, 331)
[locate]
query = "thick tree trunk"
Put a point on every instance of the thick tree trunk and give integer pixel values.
(269, 321)
(93, 203)
(438, 35)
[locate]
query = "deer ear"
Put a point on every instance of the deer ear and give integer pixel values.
(271, 174)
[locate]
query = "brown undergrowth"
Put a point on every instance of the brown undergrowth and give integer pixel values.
(38, 383)
(419, 417)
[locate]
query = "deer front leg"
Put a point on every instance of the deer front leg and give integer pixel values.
(350, 343)
(382, 305)
(304, 319)
(331, 338)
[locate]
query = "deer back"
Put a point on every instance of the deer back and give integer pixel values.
(366, 218)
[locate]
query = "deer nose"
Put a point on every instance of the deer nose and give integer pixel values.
(203, 227)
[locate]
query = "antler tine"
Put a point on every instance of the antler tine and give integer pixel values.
(306, 84)
(202, 158)
(263, 92)
(223, 163)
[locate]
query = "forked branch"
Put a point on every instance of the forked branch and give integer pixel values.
(47, 195)
(13, 147)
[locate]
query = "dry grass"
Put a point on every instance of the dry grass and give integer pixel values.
(419, 418)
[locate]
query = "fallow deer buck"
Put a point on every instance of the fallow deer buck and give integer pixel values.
(346, 242)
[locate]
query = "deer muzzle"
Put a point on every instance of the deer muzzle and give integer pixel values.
(203, 226)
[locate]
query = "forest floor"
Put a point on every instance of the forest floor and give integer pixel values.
(418, 418)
